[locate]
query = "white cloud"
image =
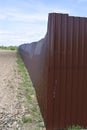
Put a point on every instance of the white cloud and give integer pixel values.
(28, 22)
(20, 37)
(29, 11)
(30, 17)
(23, 17)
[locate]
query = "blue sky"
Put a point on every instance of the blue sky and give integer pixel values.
(25, 21)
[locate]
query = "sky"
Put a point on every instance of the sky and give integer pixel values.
(25, 21)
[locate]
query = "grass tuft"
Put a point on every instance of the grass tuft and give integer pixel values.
(26, 119)
(75, 127)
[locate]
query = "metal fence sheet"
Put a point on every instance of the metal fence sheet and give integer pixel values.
(58, 68)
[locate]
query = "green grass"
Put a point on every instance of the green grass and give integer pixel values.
(34, 111)
(26, 119)
(75, 127)
(8, 47)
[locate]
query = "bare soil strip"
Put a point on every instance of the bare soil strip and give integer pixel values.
(13, 103)
(11, 108)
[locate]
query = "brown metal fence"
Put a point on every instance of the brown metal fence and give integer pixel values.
(59, 71)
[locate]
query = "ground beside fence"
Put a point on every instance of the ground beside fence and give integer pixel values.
(16, 113)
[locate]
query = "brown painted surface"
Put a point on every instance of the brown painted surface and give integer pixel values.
(58, 70)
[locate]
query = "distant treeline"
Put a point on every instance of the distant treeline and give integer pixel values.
(9, 47)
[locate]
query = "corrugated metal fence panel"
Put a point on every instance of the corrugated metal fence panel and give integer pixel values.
(35, 57)
(50, 89)
(58, 69)
(67, 82)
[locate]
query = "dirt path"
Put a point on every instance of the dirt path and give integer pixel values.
(13, 105)
(7, 81)
(11, 110)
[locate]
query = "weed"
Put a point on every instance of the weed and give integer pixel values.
(75, 127)
(26, 119)
(16, 129)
